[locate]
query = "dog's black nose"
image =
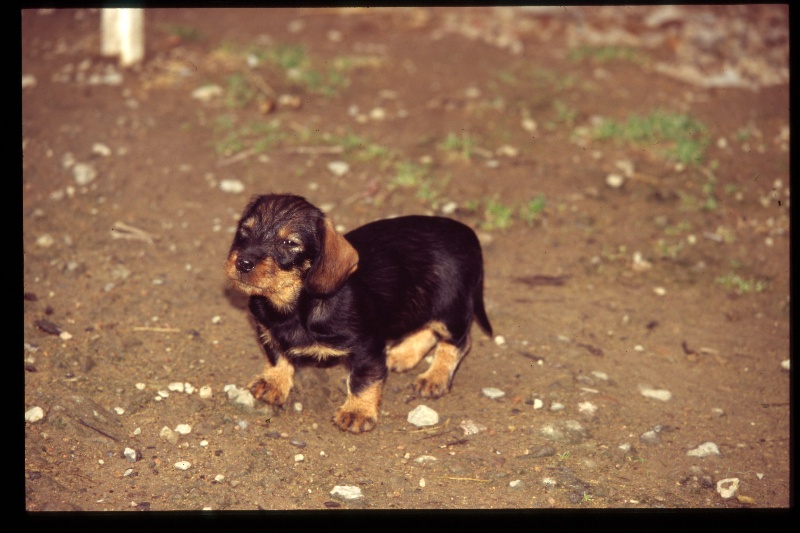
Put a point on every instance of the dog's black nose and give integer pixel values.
(245, 265)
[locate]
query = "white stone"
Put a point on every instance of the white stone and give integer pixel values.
(614, 181)
(656, 394)
(704, 450)
(338, 168)
(425, 459)
(168, 435)
(537, 403)
(492, 392)
(207, 92)
(34, 414)
(470, 427)
(299, 458)
(130, 454)
(175, 386)
(500, 340)
(206, 392)
(347, 492)
(727, 487)
(83, 173)
(183, 465)
(422, 415)
(183, 429)
(231, 185)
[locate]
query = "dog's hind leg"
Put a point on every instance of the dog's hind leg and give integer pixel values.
(436, 381)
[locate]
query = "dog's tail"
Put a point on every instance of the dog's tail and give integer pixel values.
(480, 310)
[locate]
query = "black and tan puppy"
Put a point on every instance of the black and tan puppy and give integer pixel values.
(381, 296)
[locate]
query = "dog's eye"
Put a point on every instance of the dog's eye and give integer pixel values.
(289, 243)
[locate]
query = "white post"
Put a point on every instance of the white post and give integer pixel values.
(123, 34)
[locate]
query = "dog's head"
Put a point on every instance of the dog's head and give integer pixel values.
(283, 245)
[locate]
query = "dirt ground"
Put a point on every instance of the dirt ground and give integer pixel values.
(638, 282)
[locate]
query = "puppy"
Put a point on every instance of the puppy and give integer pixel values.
(382, 296)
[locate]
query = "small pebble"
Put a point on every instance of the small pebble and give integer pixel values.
(206, 392)
(119, 410)
(727, 487)
(231, 186)
(492, 392)
(704, 450)
(614, 181)
(168, 435)
(516, 484)
(183, 465)
(34, 414)
(83, 173)
(140, 386)
(556, 406)
(207, 92)
(298, 407)
(219, 478)
(346, 492)
(537, 403)
(130, 454)
(45, 241)
(242, 397)
(422, 482)
(785, 364)
(101, 149)
(175, 386)
(422, 415)
(338, 168)
(299, 458)
(183, 429)
(656, 394)
(470, 427)
(425, 459)
(587, 408)
(500, 340)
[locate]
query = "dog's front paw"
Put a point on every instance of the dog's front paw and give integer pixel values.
(354, 420)
(431, 388)
(268, 391)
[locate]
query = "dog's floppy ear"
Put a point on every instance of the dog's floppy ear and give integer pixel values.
(337, 260)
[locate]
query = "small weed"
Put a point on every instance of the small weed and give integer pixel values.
(462, 145)
(530, 212)
(496, 215)
(587, 498)
(564, 456)
(606, 54)
(239, 91)
(257, 135)
(184, 33)
(736, 283)
(408, 174)
(685, 137)
(566, 114)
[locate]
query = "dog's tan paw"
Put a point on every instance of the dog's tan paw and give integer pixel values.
(268, 392)
(431, 388)
(354, 420)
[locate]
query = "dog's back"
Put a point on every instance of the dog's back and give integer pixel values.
(434, 263)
